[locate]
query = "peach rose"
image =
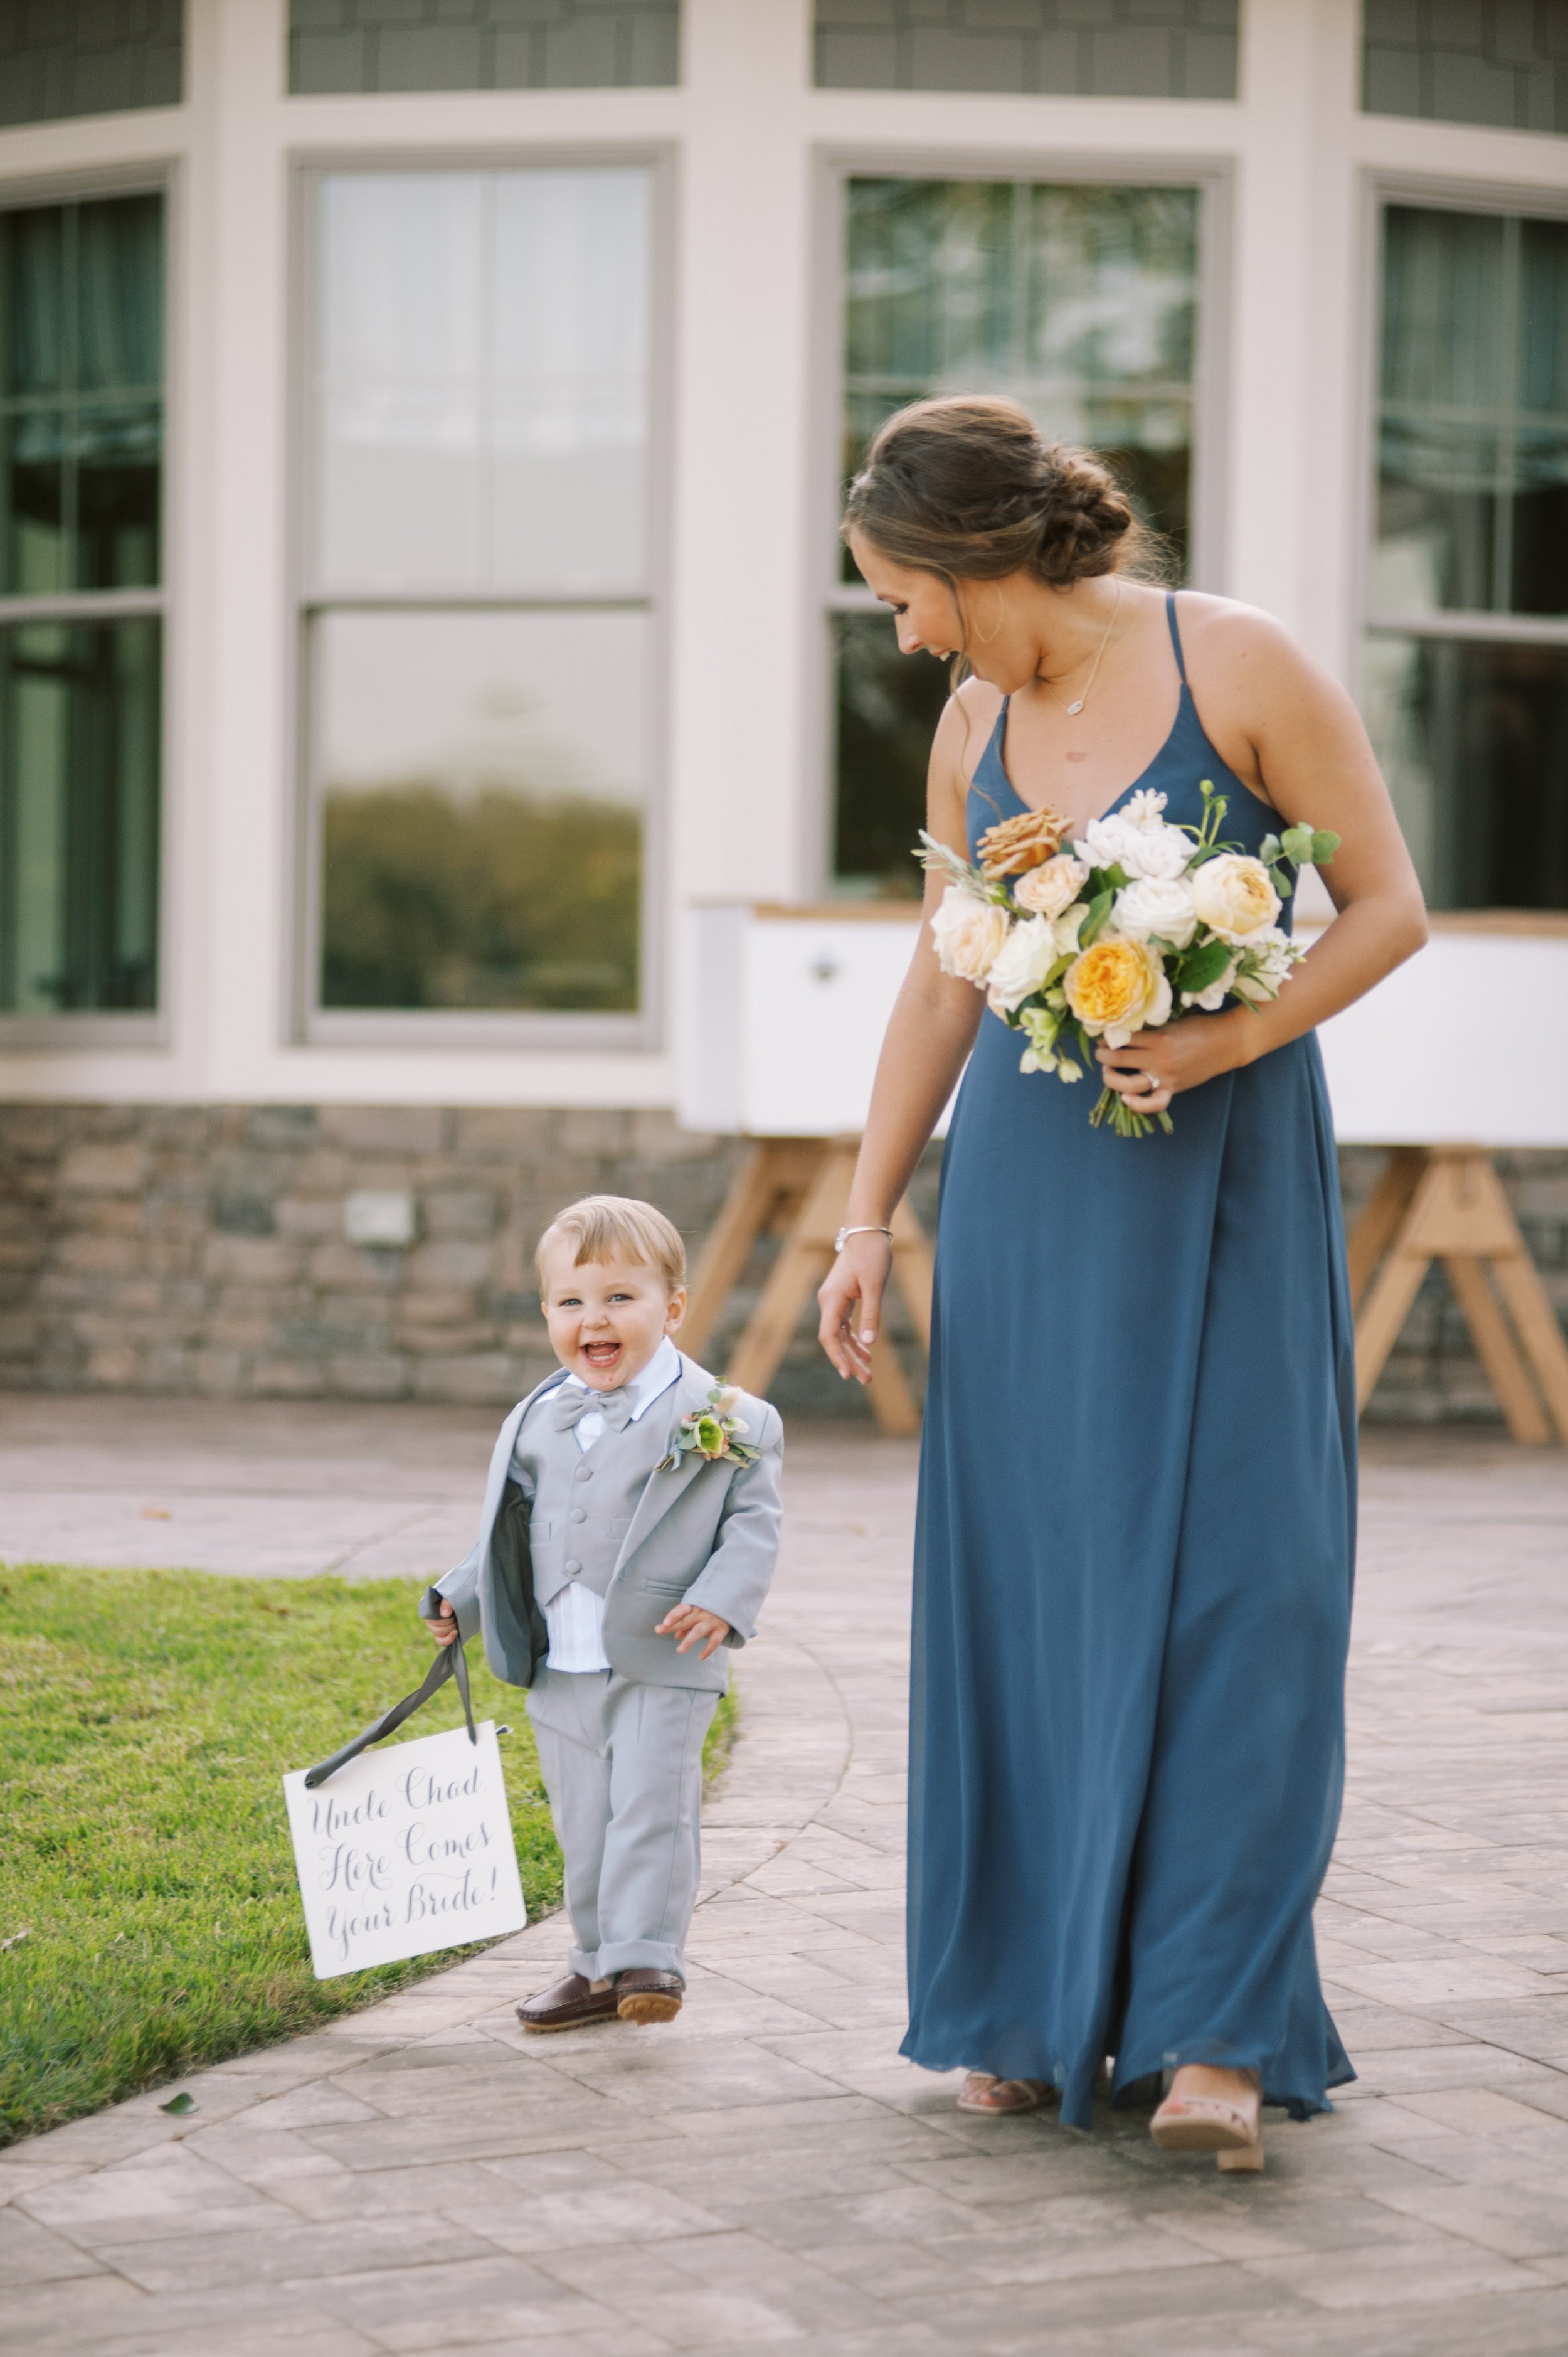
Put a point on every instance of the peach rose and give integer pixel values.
(1115, 987)
(1052, 886)
(968, 934)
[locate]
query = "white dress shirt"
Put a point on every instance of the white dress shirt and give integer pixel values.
(576, 1617)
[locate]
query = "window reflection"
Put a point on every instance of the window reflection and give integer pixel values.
(82, 312)
(482, 393)
(1079, 302)
(80, 474)
(79, 816)
(888, 707)
(482, 785)
(1473, 496)
(481, 771)
(1473, 738)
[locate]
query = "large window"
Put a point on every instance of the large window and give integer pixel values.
(1080, 302)
(1465, 670)
(82, 415)
(479, 606)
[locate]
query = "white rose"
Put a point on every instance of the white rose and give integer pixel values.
(1106, 842)
(1269, 961)
(1235, 898)
(968, 933)
(1153, 905)
(1068, 927)
(1145, 808)
(1046, 891)
(1160, 852)
(1023, 964)
(1142, 850)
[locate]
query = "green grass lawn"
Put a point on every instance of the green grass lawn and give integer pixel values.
(146, 1721)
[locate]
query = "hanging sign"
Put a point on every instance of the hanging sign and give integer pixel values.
(405, 1851)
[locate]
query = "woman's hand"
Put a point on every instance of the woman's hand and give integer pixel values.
(851, 1299)
(1157, 1064)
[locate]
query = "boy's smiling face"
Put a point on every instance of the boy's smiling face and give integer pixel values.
(606, 1317)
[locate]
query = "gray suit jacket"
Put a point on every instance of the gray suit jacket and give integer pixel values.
(702, 1533)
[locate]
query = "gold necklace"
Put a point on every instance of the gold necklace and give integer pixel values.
(1094, 672)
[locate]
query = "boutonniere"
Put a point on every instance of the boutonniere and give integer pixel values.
(712, 1432)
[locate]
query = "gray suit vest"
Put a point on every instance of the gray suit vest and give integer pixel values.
(582, 1504)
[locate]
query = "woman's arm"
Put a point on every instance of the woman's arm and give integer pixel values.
(1292, 734)
(929, 1036)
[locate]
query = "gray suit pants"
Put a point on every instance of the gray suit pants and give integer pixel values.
(623, 1766)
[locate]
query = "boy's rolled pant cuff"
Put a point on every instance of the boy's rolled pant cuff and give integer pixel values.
(627, 1955)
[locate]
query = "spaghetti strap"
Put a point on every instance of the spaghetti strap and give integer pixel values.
(1175, 634)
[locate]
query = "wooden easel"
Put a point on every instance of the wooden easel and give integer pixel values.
(1446, 1203)
(798, 1187)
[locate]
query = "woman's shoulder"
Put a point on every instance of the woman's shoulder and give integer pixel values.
(1235, 646)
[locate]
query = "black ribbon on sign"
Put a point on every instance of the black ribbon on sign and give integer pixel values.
(450, 1662)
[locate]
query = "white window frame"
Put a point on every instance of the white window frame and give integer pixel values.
(92, 1028)
(1379, 188)
(1212, 176)
(306, 1021)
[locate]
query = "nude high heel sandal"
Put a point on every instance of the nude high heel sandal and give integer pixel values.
(1233, 2133)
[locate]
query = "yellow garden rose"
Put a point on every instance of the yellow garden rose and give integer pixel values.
(1234, 897)
(1115, 987)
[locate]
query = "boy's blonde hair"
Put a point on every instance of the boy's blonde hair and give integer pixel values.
(616, 1227)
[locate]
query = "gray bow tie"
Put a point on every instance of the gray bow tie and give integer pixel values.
(572, 1405)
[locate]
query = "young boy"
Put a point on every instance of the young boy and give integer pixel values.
(653, 1537)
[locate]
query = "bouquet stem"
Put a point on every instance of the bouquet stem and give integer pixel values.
(1113, 1107)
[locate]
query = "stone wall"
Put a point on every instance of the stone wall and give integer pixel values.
(179, 1249)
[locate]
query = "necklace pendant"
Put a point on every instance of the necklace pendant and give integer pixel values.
(1078, 706)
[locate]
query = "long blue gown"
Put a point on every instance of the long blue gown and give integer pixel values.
(1133, 1562)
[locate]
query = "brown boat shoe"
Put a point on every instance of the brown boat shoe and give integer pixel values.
(567, 2005)
(644, 1995)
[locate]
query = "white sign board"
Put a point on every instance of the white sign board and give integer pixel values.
(1465, 1043)
(405, 1851)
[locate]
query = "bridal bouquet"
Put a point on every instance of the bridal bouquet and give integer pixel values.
(1139, 922)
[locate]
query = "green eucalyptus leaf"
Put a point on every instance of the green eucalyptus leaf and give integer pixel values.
(1203, 965)
(1094, 923)
(1325, 843)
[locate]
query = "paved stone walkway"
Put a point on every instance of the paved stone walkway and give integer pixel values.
(420, 2177)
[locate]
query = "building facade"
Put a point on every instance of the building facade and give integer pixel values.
(425, 423)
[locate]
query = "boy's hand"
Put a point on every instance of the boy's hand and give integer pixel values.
(692, 1625)
(444, 1630)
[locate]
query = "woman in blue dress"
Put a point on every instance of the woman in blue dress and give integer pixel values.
(1137, 1481)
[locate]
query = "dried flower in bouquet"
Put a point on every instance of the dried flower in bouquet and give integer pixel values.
(1016, 845)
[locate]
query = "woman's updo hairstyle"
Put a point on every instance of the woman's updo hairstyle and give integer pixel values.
(966, 489)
